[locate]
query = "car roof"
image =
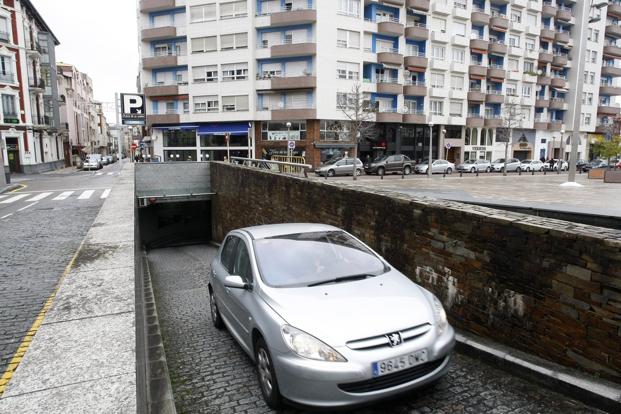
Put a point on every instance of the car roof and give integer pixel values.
(272, 230)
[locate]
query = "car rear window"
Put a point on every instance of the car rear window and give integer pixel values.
(302, 259)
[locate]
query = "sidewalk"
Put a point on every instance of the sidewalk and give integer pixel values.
(9, 187)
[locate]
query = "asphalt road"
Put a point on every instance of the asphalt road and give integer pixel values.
(41, 227)
(211, 374)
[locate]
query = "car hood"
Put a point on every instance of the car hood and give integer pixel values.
(342, 312)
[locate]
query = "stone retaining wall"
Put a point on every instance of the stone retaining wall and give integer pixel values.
(545, 286)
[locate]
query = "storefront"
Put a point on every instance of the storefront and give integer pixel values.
(478, 144)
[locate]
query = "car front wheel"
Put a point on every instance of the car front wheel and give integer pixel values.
(488, 170)
(449, 170)
(518, 170)
(330, 173)
(473, 170)
(380, 171)
(407, 171)
(358, 172)
(267, 375)
(215, 313)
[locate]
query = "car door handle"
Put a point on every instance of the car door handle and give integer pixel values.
(227, 290)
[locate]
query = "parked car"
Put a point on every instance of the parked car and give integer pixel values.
(388, 164)
(475, 165)
(322, 316)
(532, 165)
(595, 164)
(513, 164)
(580, 164)
(340, 166)
(105, 160)
(437, 167)
(564, 165)
(92, 162)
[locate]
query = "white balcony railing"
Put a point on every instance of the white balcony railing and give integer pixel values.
(287, 8)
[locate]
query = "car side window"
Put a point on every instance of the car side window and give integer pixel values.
(392, 158)
(242, 263)
(340, 163)
(228, 253)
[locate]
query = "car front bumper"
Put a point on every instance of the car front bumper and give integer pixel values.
(320, 384)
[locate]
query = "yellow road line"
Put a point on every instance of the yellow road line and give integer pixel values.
(21, 187)
(23, 346)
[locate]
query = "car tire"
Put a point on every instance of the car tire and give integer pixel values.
(518, 170)
(449, 170)
(381, 171)
(358, 172)
(267, 375)
(488, 170)
(331, 173)
(216, 318)
(473, 170)
(407, 170)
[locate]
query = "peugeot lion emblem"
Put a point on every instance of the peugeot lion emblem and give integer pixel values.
(395, 339)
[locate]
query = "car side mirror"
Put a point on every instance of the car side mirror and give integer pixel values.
(235, 282)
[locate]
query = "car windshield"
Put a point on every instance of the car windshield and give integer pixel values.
(470, 162)
(332, 161)
(380, 158)
(526, 162)
(303, 259)
(499, 160)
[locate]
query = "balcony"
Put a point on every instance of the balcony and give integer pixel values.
(546, 33)
(399, 3)
(474, 120)
(496, 46)
(476, 95)
(479, 44)
(7, 78)
(544, 80)
(417, 32)
(499, 22)
(609, 90)
(390, 28)
(422, 5)
(611, 49)
(559, 60)
(558, 104)
(494, 97)
(294, 82)
(389, 86)
(158, 33)
(496, 72)
(155, 62)
(545, 57)
(613, 30)
(541, 124)
(416, 61)
(555, 125)
(608, 110)
(480, 18)
(415, 89)
(389, 116)
(549, 10)
(614, 9)
(163, 119)
(293, 49)
(541, 102)
(415, 117)
(161, 90)
(558, 82)
(287, 114)
(390, 57)
(564, 14)
(477, 70)
(493, 121)
(611, 70)
(147, 6)
(561, 37)
(293, 17)
(36, 85)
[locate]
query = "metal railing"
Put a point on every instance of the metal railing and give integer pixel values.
(7, 78)
(414, 111)
(169, 83)
(494, 91)
(264, 44)
(477, 36)
(411, 82)
(382, 19)
(496, 66)
(416, 24)
(477, 9)
(288, 8)
(264, 76)
(496, 13)
(414, 53)
(474, 115)
(287, 167)
(496, 40)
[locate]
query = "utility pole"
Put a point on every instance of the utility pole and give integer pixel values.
(117, 111)
(430, 161)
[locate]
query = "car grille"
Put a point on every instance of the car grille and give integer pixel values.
(382, 340)
(394, 379)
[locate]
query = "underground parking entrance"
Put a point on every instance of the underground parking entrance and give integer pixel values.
(208, 371)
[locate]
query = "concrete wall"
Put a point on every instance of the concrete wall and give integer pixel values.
(545, 286)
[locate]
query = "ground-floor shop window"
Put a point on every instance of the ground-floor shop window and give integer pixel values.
(179, 155)
(179, 138)
(278, 131)
(220, 154)
(219, 140)
(334, 131)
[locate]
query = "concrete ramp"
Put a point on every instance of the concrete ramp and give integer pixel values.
(172, 182)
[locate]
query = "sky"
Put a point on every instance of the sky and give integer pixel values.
(100, 39)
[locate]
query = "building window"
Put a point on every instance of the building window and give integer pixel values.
(348, 39)
(438, 24)
(5, 30)
(437, 80)
(511, 89)
(455, 109)
(204, 44)
(437, 107)
(206, 104)
(201, 74)
(334, 131)
(438, 52)
(6, 70)
(513, 65)
(458, 29)
(516, 16)
(235, 71)
(348, 7)
(234, 41)
(459, 55)
(235, 103)
(9, 108)
(595, 37)
(345, 100)
(529, 67)
(457, 83)
(587, 119)
(593, 56)
(278, 131)
(203, 13)
(347, 70)
(179, 138)
(526, 91)
(233, 9)
(514, 41)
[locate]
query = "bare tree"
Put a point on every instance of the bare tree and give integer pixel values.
(360, 118)
(512, 117)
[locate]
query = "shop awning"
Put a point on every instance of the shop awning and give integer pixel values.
(233, 128)
(334, 145)
(176, 127)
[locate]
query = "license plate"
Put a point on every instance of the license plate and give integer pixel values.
(388, 366)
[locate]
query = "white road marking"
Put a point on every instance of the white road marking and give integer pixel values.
(40, 197)
(8, 215)
(106, 193)
(99, 173)
(110, 173)
(3, 196)
(86, 195)
(62, 196)
(29, 205)
(13, 199)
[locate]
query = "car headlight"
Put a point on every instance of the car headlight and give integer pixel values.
(308, 346)
(440, 314)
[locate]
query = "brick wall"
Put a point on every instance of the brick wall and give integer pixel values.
(545, 286)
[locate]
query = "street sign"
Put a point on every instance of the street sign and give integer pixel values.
(134, 146)
(291, 144)
(448, 145)
(132, 109)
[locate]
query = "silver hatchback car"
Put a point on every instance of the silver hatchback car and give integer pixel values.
(343, 166)
(326, 319)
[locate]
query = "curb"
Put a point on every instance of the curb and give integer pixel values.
(11, 187)
(593, 391)
(160, 398)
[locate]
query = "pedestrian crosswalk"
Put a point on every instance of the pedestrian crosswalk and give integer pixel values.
(78, 195)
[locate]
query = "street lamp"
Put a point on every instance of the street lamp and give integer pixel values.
(289, 152)
(430, 151)
(561, 154)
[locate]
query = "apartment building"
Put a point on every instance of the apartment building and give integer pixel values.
(29, 120)
(249, 75)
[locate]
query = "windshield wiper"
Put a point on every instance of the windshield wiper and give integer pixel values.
(341, 279)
